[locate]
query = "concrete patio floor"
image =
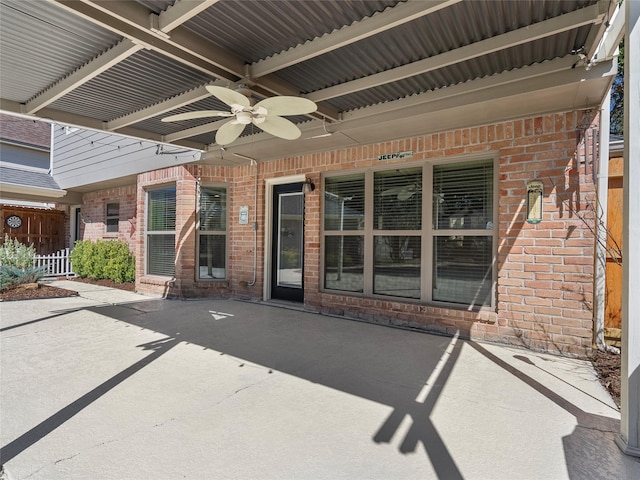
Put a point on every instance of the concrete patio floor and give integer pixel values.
(114, 385)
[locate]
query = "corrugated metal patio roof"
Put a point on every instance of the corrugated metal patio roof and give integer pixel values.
(122, 66)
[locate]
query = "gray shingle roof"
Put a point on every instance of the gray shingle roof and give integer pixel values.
(28, 178)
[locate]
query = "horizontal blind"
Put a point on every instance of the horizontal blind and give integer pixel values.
(398, 199)
(162, 209)
(161, 225)
(213, 208)
(463, 195)
(344, 203)
(161, 254)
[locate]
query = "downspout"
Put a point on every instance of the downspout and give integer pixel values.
(255, 227)
(601, 229)
(51, 146)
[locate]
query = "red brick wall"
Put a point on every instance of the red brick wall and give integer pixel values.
(25, 131)
(93, 211)
(545, 270)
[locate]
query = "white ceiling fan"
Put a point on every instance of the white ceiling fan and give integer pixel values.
(266, 114)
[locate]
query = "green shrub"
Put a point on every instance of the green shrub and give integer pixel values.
(11, 275)
(16, 254)
(81, 257)
(104, 259)
(121, 263)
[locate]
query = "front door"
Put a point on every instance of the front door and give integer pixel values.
(287, 256)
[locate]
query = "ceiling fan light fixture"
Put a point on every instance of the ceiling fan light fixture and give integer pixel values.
(244, 118)
(268, 114)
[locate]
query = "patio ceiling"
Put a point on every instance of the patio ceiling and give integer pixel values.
(378, 69)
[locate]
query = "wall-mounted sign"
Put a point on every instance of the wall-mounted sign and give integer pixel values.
(244, 215)
(393, 156)
(535, 191)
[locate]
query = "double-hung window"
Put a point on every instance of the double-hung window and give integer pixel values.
(212, 234)
(112, 217)
(161, 231)
(344, 200)
(416, 232)
(463, 233)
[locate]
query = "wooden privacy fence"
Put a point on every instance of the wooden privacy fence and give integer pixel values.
(42, 228)
(55, 265)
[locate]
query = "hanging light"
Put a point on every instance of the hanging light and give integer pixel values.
(308, 186)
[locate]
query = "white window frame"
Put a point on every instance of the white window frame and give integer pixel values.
(148, 232)
(427, 232)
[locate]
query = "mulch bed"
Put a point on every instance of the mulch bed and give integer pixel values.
(30, 292)
(128, 286)
(608, 367)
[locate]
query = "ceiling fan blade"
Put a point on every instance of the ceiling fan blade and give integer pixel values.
(196, 114)
(228, 96)
(280, 127)
(287, 105)
(228, 132)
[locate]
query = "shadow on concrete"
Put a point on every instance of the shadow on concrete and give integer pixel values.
(45, 427)
(589, 451)
(388, 366)
(404, 370)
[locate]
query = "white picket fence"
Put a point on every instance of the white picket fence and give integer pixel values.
(57, 264)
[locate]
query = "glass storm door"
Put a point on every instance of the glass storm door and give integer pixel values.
(287, 258)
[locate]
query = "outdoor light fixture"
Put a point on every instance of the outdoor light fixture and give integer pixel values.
(535, 191)
(308, 186)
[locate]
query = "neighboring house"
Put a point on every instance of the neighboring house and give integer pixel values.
(28, 192)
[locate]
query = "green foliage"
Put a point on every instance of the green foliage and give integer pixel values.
(77, 257)
(290, 258)
(104, 259)
(617, 97)
(16, 254)
(11, 275)
(121, 264)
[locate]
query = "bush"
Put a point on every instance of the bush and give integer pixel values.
(81, 257)
(11, 275)
(104, 259)
(16, 254)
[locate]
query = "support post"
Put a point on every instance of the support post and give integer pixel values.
(629, 438)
